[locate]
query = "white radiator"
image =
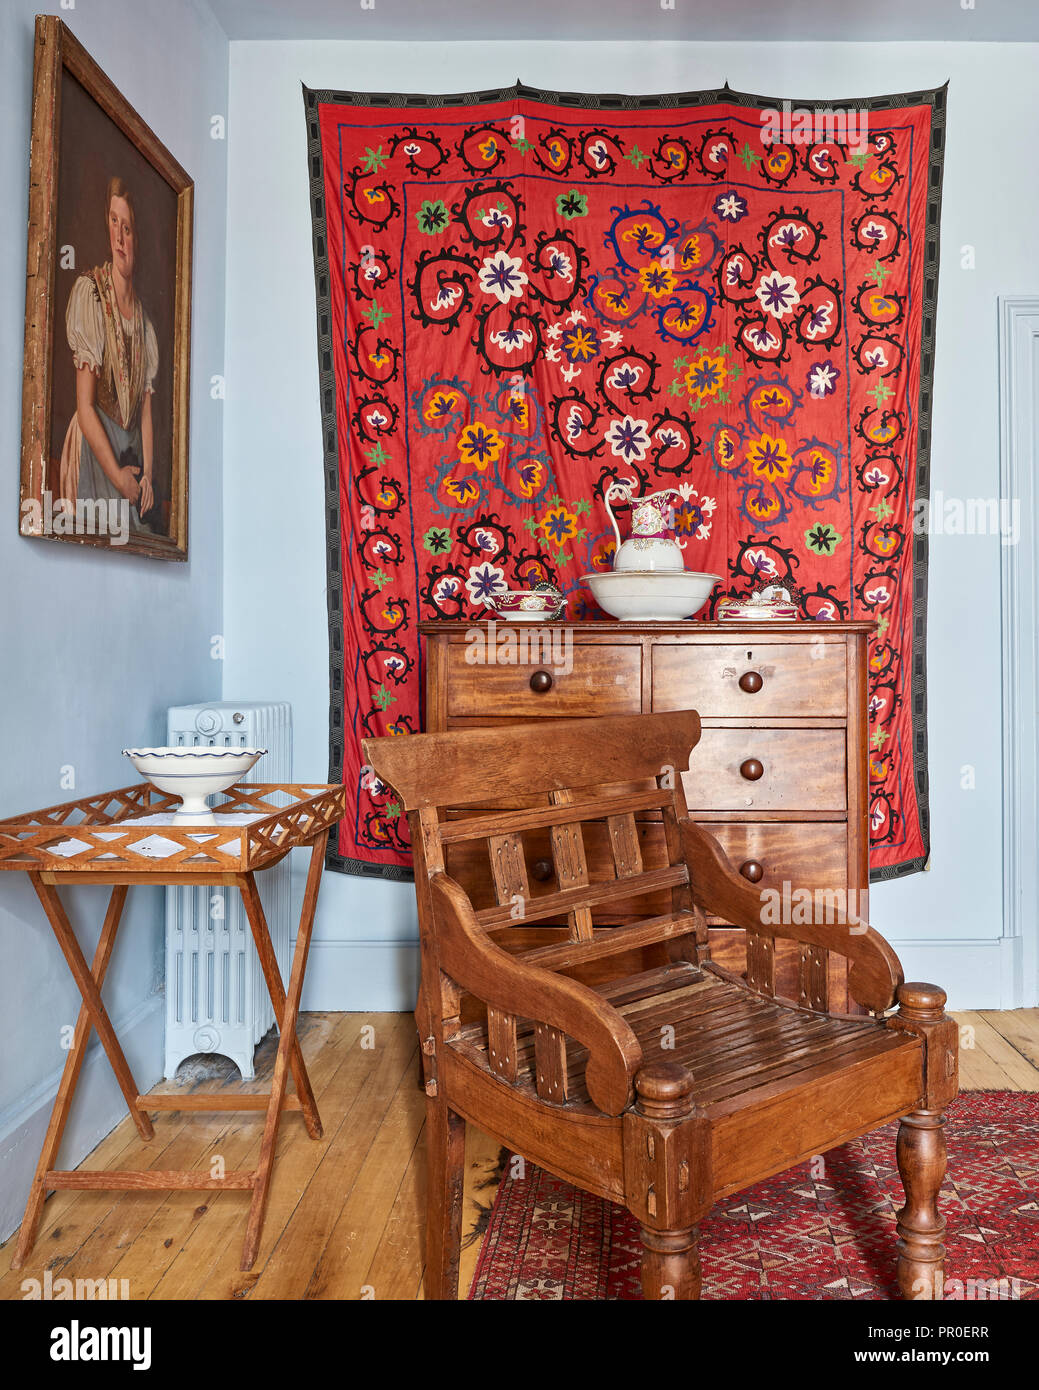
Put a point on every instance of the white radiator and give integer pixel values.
(216, 996)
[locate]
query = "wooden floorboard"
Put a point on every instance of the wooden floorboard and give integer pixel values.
(345, 1217)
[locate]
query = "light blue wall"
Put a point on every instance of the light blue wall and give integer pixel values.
(94, 645)
(947, 922)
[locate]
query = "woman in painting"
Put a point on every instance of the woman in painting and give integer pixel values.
(108, 450)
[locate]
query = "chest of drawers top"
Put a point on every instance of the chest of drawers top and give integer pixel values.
(734, 671)
(603, 628)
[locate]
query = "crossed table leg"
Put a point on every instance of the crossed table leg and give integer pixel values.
(93, 1014)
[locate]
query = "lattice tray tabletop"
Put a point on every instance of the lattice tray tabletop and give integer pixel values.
(132, 830)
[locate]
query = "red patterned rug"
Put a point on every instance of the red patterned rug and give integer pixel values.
(825, 1229)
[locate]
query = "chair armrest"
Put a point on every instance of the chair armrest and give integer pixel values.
(528, 991)
(875, 973)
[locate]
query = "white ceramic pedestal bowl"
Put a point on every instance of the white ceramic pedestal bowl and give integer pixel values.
(193, 773)
(660, 596)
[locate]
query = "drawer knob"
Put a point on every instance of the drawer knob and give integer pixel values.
(751, 769)
(541, 681)
(751, 682)
(542, 869)
(752, 871)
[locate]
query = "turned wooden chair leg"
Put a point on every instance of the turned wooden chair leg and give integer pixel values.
(670, 1264)
(445, 1155)
(667, 1177)
(921, 1165)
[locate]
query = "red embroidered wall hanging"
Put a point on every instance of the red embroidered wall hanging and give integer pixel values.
(523, 294)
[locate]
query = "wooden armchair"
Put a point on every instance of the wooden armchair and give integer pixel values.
(621, 1058)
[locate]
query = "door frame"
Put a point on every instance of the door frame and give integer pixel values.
(1019, 609)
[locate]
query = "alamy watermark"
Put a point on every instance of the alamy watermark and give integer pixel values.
(797, 125)
(48, 1289)
(87, 516)
(82, 1342)
(521, 644)
(970, 1290)
(804, 907)
(968, 516)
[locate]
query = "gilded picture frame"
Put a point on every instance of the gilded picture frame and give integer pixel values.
(105, 392)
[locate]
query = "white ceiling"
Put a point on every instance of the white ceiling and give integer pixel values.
(704, 20)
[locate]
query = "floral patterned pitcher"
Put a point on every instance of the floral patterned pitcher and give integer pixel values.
(652, 544)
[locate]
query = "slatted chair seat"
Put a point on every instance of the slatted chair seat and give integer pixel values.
(622, 1058)
(735, 1047)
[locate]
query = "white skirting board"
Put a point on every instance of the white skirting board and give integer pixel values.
(975, 974)
(97, 1109)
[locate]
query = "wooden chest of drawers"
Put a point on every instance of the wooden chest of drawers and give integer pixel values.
(780, 774)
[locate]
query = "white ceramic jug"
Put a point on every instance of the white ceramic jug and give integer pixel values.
(652, 544)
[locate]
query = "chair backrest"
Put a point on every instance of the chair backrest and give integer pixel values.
(576, 771)
(497, 762)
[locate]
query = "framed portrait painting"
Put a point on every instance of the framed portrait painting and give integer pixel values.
(107, 316)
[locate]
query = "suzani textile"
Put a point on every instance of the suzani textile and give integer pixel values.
(523, 294)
